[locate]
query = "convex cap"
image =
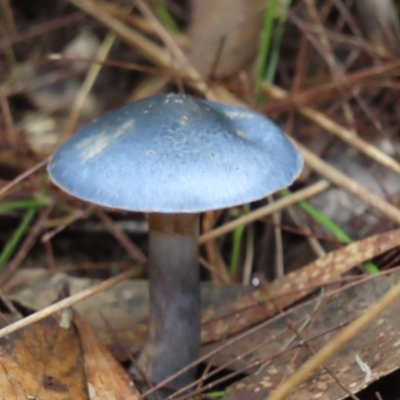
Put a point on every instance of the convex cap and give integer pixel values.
(175, 153)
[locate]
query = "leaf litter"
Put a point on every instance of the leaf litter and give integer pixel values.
(59, 358)
(233, 316)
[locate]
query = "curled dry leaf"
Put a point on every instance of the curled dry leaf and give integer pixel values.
(224, 35)
(106, 377)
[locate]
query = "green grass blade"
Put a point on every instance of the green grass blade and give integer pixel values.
(370, 267)
(164, 15)
(276, 42)
(21, 204)
(265, 44)
(17, 236)
(331, 227)
(327, 223)
(237, 244)
(216, 395)
(237, 241)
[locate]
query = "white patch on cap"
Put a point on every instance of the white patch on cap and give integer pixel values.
(95, 145)
(238, 114)
(241, 134)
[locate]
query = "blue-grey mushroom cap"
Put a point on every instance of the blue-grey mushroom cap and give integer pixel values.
(175, 153)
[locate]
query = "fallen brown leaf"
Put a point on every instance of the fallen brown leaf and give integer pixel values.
(42, 361)
(106, 378)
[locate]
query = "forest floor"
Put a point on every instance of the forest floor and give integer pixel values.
(299, 289)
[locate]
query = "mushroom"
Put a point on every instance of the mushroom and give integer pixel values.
(174, 156)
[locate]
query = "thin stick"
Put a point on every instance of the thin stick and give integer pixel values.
(337, 343)
(68, 302)
(40, 29)
(78, 214)
(157, 54)
(309, 235)
(149, 49)
(350, 185)
(343, 133)
(303, 194)
(11, 132)
(279, 262)
(300, 98)
(23, 176)
(134, 252)
(176, 53)
(7, 29)
(87, 85)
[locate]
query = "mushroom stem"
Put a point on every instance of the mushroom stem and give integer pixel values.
(173, 338)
